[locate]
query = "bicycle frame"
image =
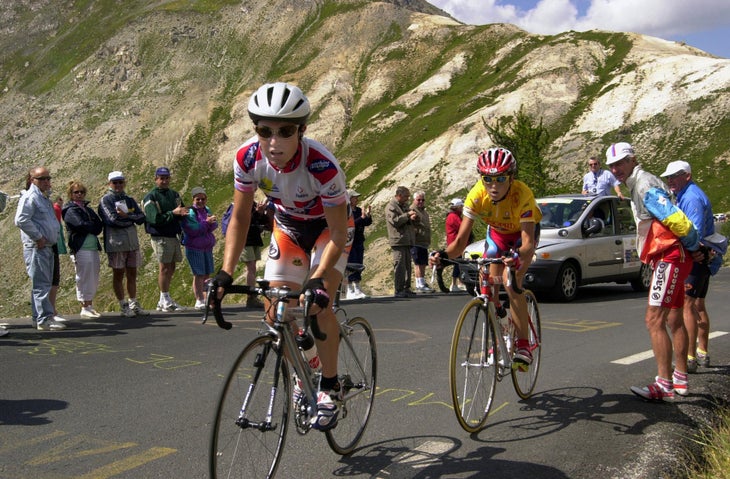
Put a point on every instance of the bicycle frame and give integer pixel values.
(490, 295)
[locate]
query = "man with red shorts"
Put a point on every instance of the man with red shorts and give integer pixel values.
(667, 240)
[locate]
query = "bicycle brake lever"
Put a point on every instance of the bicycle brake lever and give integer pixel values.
(212, 301)
(314, 325)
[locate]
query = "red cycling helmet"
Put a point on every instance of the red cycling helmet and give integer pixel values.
(496, 161)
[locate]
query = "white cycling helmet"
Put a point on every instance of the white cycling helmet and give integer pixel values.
(279, 101)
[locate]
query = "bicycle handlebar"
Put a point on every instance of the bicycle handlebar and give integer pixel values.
(214, 302)
(481, 261)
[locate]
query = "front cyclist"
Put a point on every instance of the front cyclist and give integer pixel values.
(306, 186)
(509, 209)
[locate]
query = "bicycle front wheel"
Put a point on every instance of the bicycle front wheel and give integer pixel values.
(473, 366)
(524, 381)
(246, 441)
(358, 366)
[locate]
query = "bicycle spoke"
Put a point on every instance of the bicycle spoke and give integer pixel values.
(472, 366)
(525, 381)
(249, 430)
(357, 369)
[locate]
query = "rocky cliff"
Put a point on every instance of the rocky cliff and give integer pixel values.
(400, 93)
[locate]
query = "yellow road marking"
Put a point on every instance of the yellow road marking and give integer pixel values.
(129, 463)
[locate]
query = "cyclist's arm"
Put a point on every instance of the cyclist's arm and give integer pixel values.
(527, 249)
(237, 230)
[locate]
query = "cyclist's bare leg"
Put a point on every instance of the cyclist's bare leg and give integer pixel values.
(328, 324)
(517, 303)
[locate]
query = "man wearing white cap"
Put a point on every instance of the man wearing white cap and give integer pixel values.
(664, 237)
(695, 204)
(120, 214)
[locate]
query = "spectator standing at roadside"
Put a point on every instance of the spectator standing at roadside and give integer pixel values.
(120, 214)
(422, 243)
(199, 240)
(58, 249)
(453, 223)
(695, 204)
(401, 236)
(599, 181)
(262, 219)
(164, 212)
(39, 232)
(84, 227)
(665, 237)
(357, 252)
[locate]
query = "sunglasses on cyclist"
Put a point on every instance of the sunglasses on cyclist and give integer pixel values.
(284, 132)
(499, 179)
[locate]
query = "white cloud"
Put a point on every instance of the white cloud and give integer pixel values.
(662, 18)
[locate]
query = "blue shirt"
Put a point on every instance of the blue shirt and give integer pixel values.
(599, 183)
(695, 204)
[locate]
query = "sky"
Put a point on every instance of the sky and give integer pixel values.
(704, 24)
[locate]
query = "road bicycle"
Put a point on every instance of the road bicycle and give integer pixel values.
(252, 416)
(482, 348)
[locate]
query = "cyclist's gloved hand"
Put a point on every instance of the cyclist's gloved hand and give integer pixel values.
(319, 293)
(222, 279)
(433, 260)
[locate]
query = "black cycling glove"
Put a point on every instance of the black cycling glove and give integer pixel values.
(222, 279)
(320, 296)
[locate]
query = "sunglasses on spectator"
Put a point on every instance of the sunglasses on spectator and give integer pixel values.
(499, 179)
(42, 178)
(118, 182)
(79, 192)
(284, 132)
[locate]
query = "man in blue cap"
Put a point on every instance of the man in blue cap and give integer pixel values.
(164, 213)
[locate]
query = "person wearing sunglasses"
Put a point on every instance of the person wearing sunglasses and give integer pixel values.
(311, 237)
(509, 209)
(39, 231)
(599, 181)
(121, 214)
(84, 227)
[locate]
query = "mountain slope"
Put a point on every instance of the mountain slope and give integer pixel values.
(400, 93)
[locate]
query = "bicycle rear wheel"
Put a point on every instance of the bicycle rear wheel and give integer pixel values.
(358, 367)
(245, 442)
(524, 381)
(473, 366)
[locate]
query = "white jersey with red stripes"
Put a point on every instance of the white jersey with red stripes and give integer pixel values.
(311, 181)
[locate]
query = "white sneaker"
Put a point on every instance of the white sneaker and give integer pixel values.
(359, 293)
(127, 312)
(138, 311)
(327, 410)
(199, 304)
(90, 313)
(59, 319)
(424, 289)
(50, 325)
(168, 306)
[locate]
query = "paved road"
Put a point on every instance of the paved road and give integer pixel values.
(120, 398)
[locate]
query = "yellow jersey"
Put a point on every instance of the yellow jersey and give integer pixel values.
(507, 215)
